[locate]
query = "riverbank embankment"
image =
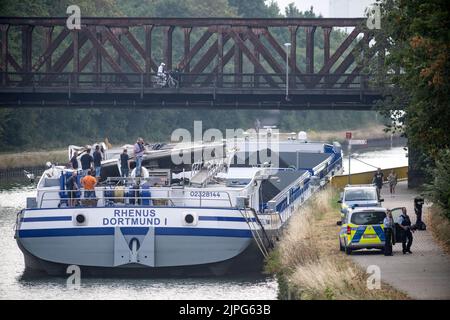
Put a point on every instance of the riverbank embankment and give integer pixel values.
(308, 263)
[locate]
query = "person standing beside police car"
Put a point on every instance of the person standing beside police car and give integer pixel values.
(388, 223)
(407, 238)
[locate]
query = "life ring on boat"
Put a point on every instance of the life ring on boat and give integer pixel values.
(144, 173)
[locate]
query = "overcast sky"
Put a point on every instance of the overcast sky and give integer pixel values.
(355, 8)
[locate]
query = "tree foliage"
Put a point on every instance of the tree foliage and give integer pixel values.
(439, 189)
(416, 34)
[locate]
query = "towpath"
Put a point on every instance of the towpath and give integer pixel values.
(425, 274)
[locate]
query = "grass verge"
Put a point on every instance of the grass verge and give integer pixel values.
(308, 263)
(440, 227)
(32, 159)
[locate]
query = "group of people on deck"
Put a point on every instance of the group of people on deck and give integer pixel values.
(91, 169)
(89, 163)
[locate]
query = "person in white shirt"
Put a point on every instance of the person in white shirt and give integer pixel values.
(139, 154)
(162, 70)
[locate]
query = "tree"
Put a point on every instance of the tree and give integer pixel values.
(417, 66)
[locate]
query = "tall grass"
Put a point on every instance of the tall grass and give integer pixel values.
(439, 226)
(32, 159)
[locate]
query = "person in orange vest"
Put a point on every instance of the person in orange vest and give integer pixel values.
(89, 182)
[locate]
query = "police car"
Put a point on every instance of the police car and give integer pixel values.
(362, 195)
(362, 227)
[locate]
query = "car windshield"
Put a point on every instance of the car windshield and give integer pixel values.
(364, 218)
(360, 195)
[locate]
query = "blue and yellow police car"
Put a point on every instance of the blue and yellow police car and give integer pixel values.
(361, 228)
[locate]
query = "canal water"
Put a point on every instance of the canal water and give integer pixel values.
(14, 284)
(369, 160)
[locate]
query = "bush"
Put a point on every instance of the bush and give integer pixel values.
(439, 190)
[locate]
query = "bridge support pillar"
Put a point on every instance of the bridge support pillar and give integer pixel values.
(310, 51)
(4, 52)
(238, 66)
(27, 45)
(326, 44)
(187, 46)
(293, 55)
(168, 47)
(98, 60)
(148, 53)
(48, 43)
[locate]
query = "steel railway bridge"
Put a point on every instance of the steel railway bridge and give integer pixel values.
(222, 62)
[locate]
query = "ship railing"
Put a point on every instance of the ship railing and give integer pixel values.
(216, 166)
(201, 196)
(196, 167)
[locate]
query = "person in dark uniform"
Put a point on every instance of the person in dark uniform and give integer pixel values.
(388, 228)
(74, 161)
(97, 161)
(86, 162)
(72, 187)
(418, 204)
(407, 237)
(124, 163)
(378, 178)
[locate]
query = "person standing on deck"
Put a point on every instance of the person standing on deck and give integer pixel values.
(97, 161)
(89, 182)
(139, 154)
(378, 178)
(124, 163)
(86, 161)
(72, 187)
(74, 161)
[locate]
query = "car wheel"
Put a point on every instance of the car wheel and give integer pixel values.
(341, 247)
(348, 250)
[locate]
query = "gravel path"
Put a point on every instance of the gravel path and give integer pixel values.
(425, 274)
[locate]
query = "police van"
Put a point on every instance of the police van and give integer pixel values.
(362, 228)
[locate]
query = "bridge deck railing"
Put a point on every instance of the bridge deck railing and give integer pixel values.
(272, 81)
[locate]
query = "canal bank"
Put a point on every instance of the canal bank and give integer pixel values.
(15, 161)
(309, 265)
